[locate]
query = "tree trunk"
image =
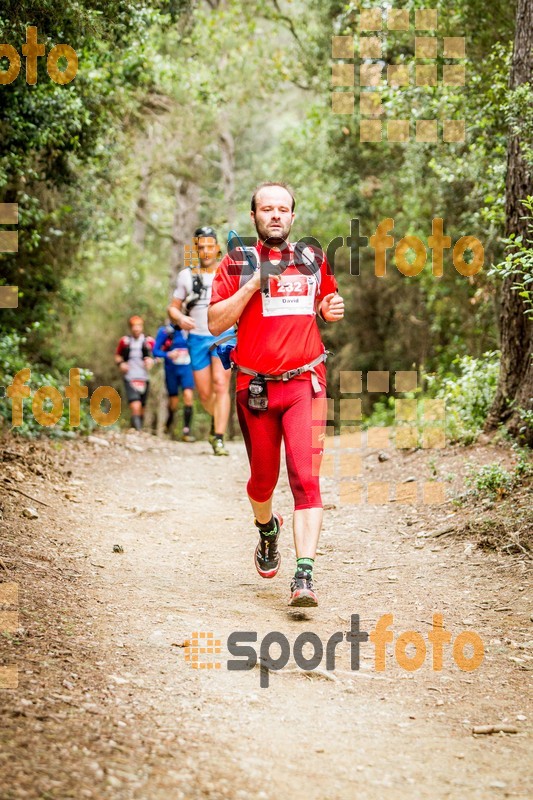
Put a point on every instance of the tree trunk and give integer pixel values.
(142, 206)
(227, 166)
(515, 386)
(186, 203)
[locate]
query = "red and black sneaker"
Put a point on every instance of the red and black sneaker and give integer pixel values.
(302, 593)
(267, 557)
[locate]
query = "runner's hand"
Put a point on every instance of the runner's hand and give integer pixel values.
(332, 307)
(123, 367)
(148, 362)
(255, 280)
(187, 323)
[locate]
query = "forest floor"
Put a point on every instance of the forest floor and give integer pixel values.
(107, 704)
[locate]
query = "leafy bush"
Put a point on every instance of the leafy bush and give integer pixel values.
(382, 415)
(468, 395)
(492, 480)
(524, 466)
(12, 361)
(518, 263)
(495, 481)
(518, 110)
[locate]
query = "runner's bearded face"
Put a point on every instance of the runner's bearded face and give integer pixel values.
(207, 249)
(273, 216)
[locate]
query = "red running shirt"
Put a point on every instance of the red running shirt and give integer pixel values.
(274, 344)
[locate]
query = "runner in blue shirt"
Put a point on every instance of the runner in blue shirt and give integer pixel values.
(171, 345)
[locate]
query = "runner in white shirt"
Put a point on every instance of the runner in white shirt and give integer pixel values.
(133, 357)
(189, 310)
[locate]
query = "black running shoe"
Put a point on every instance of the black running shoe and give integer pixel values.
(267, 557)
(302, 593)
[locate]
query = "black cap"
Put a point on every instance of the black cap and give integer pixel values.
(206, 230)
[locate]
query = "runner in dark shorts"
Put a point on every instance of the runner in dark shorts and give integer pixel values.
(171, 346)
(134, 359)
(139, 395)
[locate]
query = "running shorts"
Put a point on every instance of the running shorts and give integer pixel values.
(199, 348)
(178, 376)
(296, 416)
(133, 394)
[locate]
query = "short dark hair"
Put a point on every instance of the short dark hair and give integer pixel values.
(206, 231)
(273, 183)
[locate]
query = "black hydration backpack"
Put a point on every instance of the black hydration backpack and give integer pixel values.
(146, 349)
(197, 289)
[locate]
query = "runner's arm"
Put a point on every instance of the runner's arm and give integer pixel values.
(174, 311)
(180, 294)
(158, 344)
(225, 313)
(149, 359)
(119, 357)
(176, 315)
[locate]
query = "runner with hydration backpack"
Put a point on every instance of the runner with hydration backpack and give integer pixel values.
(274, 291)
(171, 346)
(189, 310)
(133, 356)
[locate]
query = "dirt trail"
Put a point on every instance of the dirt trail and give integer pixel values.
(108, 707)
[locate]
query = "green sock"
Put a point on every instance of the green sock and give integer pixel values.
(268, 528)
(305, 565)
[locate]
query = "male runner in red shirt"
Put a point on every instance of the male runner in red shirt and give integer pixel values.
(274, 291)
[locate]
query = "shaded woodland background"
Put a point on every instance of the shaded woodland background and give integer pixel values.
(180, 108)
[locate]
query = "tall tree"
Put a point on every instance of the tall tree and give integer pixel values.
(515, 389)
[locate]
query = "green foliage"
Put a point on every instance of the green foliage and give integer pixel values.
(12, 360)
(56, 138)
(519, 114)
(495, 481)
(467, 389)
(518, 263)
(160, 83)
(118, 277)
(468, 394)
(199, 94)
(395, 321)
(382, 414)
(524, 464)
(490, 480)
